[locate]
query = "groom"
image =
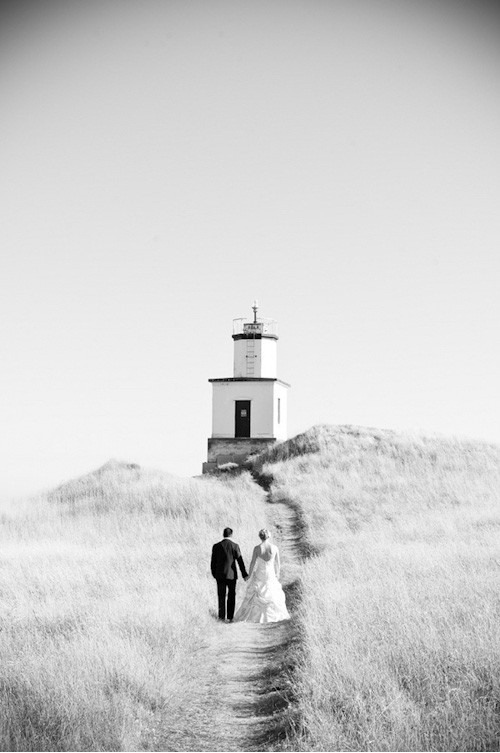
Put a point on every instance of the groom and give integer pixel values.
(225, 555)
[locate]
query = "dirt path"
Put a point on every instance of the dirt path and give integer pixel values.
(244, 692)
(250, 659)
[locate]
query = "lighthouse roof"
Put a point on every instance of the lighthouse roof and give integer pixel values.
(262, 327)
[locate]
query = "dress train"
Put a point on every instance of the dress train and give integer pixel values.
(264, 600)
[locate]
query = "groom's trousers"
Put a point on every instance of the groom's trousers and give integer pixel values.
(224, 584)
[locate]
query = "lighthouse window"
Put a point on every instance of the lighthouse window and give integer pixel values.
(279, 410)
(243, 413)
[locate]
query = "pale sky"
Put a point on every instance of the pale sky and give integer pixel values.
(165, 162)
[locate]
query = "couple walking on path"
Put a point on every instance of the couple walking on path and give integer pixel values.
(264, 600)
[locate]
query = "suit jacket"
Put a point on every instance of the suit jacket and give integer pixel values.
(225, 555)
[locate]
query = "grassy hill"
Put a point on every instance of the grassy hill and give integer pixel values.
(400, 647)
(106, 603)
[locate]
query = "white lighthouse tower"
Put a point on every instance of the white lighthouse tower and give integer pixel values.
(249, 409)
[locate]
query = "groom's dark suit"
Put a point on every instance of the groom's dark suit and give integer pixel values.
(225, 555)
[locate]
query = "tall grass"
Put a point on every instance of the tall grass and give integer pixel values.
(106, 601)
(400, 610)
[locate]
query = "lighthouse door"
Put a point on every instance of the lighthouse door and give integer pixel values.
(242, 418)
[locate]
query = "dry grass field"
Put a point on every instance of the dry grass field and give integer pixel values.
(400, 644)
(107, 633)
(107, 603)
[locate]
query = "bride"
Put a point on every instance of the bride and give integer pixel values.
(264, 600)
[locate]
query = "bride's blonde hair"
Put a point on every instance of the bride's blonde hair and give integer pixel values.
(264, 534)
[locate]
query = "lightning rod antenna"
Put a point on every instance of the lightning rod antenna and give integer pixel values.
(255, 308)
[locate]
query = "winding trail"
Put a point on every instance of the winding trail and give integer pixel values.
(244, 688)
(250, 658)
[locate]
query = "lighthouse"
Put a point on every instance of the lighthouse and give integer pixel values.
(249, 409)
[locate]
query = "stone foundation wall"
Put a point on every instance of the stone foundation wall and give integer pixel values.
(233, 450)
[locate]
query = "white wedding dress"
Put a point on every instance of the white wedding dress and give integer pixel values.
(264, 600)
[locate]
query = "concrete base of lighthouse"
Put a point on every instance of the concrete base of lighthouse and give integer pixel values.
(233, 450)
